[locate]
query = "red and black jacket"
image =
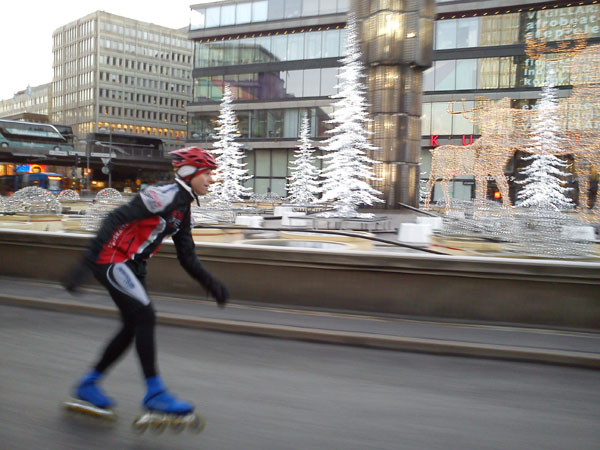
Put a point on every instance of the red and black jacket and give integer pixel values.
(133, 232)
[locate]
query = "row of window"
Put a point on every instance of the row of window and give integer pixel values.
(72, 115)
(144, 114)
(554, 24)
(268, 85)
(79, 96)
(165, 39)
(262, 11)
(144, 83)
(496, 73)
(73, 33)
(140, 99)
(276, 47)
(73, 50)
(142, 129)
(131, 64)
(270, 169)
(73, 65)
(9, 105)
(580, 117)
(140, 50)
(272, 123)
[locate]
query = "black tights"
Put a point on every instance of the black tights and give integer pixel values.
(138, 319)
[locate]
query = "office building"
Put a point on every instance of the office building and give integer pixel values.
(123, 76)
(281, 58)
(30, 104)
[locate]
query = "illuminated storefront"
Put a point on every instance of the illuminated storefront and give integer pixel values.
(481, 54)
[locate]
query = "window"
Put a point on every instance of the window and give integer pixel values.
(295, 47)
(275, 10)
(259, 11)
(428, 79)
(327, 6)
(292, 8)
(212, 17)
(441, 122)
(328, 81)
(488, 73)
(293, 83)
(263, 49)
(312, 47)
(426, 119)
(227, 15)
(331, 44)
(310, 7)
(445, 34)
(311, 83)
(445, 75)
(467, 74)
(243, 13)
(467, 32)
(279, 47)
(460, 125)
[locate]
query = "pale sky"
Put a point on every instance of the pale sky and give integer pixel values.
(26, 28)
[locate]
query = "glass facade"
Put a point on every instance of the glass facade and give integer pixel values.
(328, 43)
(494, 73)
(271, 169)
(552, 24)
(266, 123)
(262, 11)
(268, 85)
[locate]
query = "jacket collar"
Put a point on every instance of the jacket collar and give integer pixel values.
(188, 188)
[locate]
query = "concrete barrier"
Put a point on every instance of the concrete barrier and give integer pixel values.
(554, 293)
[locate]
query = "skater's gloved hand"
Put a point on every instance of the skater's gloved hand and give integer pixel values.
(218, 290)
(75, 278)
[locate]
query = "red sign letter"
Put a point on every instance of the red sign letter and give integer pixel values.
(433, 140)
(465, 140)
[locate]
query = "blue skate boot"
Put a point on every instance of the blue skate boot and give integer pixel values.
(158, 399)
(90, 399)
(163, 409)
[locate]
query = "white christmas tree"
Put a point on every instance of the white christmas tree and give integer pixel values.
(303, 182)
(348, 169)
(231, 173)
(544, 187)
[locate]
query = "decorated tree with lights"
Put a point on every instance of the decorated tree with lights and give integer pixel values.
(348, 169)
(231, 172)
(544, 186)
(303, 182)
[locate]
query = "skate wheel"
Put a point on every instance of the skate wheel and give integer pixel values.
(159, 425)
(138, 425)
(197, 424)
(177, 425)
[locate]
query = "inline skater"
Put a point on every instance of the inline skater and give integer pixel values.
(117, 257)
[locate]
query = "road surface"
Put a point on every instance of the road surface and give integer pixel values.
(261, 393)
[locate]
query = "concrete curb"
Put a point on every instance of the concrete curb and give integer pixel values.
(418, 345)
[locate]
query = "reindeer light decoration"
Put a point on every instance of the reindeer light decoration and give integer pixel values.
(502, 131)
(582, 121)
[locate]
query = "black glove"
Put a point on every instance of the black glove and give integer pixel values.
(75, 277)
(218, 290)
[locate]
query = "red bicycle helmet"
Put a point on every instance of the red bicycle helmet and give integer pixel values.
(193, 156)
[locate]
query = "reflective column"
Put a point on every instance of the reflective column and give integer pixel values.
(396, 43)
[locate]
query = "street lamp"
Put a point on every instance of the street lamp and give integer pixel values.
(107, 169)
(87, 157)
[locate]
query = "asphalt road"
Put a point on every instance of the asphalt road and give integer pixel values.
(261, 393)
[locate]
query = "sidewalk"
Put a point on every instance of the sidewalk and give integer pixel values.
(552, 346)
